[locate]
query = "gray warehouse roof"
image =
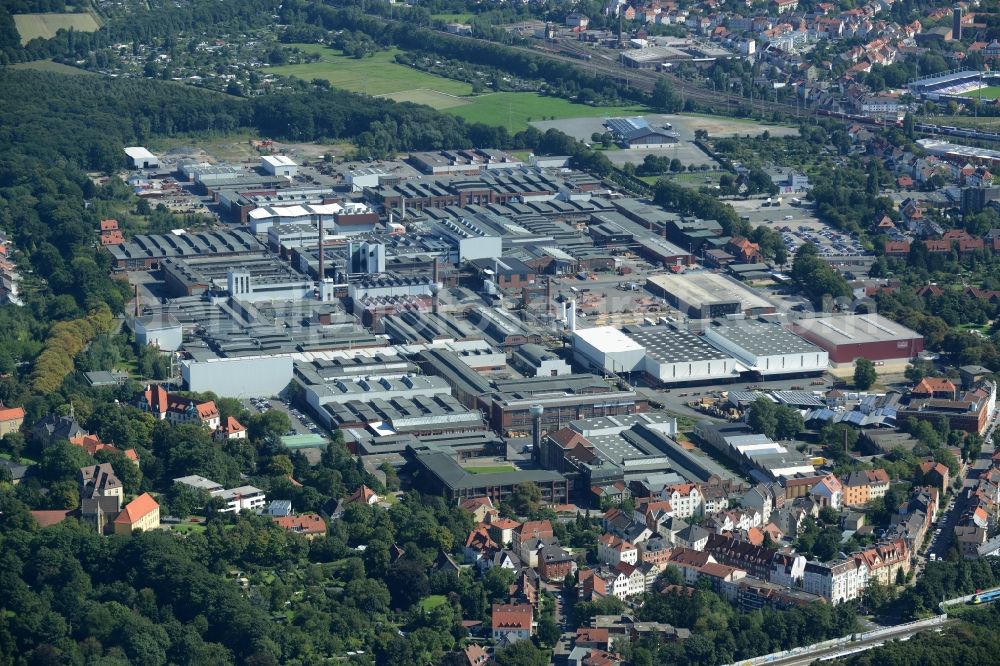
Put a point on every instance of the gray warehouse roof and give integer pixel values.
(762, 339)
(856, 329)
(669, 345)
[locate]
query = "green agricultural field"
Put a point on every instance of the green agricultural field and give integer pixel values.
(987, 92)
(378, 75)
(31, 26)
(515, 110)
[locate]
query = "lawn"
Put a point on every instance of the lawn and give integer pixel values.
(25, 460)
(432, 602)
(514, 110)
(986, 92)
(50, 66)
(378, 75)
(491, 469)
(382, 76)
(31, 26)
(460, 17)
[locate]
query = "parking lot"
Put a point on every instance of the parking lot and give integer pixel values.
(302, 424)
(798, 225)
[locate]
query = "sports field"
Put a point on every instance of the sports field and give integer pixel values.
(31, 26)
(987, 92)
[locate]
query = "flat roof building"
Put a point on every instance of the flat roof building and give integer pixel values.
(676, 356)
(766, 348)
(607, 349)
(707, 295)
(443, 476)
(871, 336)
(279, 165)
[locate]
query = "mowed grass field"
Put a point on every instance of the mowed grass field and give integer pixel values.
(31, 26)
(50, 66)
(378, 75)
(987, 92)
(382, 76)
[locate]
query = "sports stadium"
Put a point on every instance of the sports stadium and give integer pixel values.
(959, 85)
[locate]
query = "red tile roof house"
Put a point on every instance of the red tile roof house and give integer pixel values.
(309, 525)
(363, 495)
(512, 622)
(11, 419)
(177, 409)
(142, 513)
(230, 429)
(935, 474)
(532, 529)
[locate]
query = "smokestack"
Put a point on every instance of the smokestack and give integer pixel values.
(956, 24)
(138, 308)
(571, 316)
(548, 296)
(435, 289)
(322, 264)
(536, 427)
(562, 316)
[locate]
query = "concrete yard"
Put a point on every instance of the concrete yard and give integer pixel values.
(684, 125)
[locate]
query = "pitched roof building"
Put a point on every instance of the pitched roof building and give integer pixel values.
(142, 513)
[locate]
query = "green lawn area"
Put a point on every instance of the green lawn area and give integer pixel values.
(381, 75)
(432, 602)
(515, 110)
(25, 460)
(378, 75)
(50, 66)
(987, 92)
(187, 528)
(458, 17)
(491, 469)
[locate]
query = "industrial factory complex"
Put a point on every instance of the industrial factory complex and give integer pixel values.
(469, 307)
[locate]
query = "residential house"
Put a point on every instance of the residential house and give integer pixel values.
(838, 581)
(761, 498)
(685, 499)
(532, 529)
(935, 387)
(653, 513)
(309, 525)
(230, 429)
(555, 562)
(863, 486)
(279, 508)
(655, 552)
(512, 622)
(244, 498)
(969, 539)
(363, 495)
(51, 429)
(935, 474)
(829, 492)
(502, 529)
(475, 655)
(142, 513)
(689, 563)
(694, 537)
(611, 550)
(100, 481)
(177, 409)
(887, 561)
(11, 420)
(479, 507)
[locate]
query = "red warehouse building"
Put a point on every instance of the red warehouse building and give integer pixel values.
(849, 337)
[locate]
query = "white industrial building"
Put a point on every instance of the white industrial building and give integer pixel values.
(768, 349)
(676, 356)
(140, 158)
(279, 165)
(263, 218)
(161, 331)
(238, 376)
(607, 349)
(467, 239)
